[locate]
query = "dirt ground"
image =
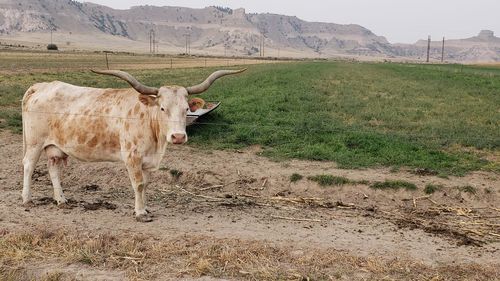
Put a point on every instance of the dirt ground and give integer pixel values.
(238, 198)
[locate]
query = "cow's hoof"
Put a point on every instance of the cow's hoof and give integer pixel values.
(61, 200)
(63, 205)
(144, 218)
(28, 204)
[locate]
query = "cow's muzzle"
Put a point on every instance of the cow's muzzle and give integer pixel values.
(179, 138)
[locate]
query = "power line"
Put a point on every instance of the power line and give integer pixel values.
(261, 125)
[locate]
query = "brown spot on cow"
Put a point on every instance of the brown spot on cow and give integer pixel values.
(60, 137)
(107, 110)
(113, 142)
(99, 125)
(107, 93)
(138, 175)
(56, 125)
(58, 131)
(147, 100)
(29, 93)
(155, 129)
(137, 107)
(81, 137)
(142, 115)
(93, 142)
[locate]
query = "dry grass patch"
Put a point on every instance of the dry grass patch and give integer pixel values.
(41, 61)
(329, 180)
(145, 257)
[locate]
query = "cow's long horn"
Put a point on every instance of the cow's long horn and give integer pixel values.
(145, 90)
(200, 88)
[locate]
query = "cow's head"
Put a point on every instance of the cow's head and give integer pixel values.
(170, 101)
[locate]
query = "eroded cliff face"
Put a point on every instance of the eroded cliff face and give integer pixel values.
(221, 28)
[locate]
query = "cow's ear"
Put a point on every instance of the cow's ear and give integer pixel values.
(149, 100)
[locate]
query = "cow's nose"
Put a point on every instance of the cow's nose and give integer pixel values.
(178, 138)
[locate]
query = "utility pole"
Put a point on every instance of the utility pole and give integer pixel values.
(262, 53)
(188, 43)
(442, 52)
(152, 41)
(107, 63)
(428, 48)
(260, 46)
(263, 48)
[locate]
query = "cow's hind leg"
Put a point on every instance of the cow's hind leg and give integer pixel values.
(31, 156)
(56, 158)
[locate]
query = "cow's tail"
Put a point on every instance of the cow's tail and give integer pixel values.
(24, 101)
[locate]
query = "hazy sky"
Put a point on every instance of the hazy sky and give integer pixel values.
(400, 21)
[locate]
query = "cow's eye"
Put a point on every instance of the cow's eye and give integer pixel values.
(162, 109)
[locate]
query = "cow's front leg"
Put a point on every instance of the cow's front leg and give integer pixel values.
(137, 178)
(146, 175)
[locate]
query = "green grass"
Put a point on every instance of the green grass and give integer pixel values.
(431, 188)
(296, 177)
(359, 115)
(397, 184)
(356, 114)
(468, 189)
(10, 118)
(329, 180)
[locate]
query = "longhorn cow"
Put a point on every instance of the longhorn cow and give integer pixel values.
(131, 125)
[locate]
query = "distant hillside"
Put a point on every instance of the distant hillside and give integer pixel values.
(484, 47)
(212, 30)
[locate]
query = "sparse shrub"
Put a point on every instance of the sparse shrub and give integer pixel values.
(365, 182)
(394, 185)
(52, 47)
(468, 189)
(431, 188)
(329, 180)
(394, 169)
(295, 177)
(175, 173)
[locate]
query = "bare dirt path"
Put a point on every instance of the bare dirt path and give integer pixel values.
(228, 195)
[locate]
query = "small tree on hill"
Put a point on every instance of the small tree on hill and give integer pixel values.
(52, 47)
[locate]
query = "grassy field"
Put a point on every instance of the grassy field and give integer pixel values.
(442, 118)
(44, 61)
